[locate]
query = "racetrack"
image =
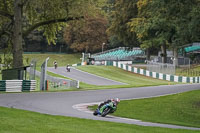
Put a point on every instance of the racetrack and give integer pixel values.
(74, 103)
(65, 103)
(84, 76)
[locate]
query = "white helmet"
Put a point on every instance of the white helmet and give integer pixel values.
(117, 100)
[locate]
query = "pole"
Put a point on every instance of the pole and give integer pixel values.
(43, 75)
(103, 46)
(45, 71)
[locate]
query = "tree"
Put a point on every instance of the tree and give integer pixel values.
(122, 13)
(147, 28)
(87, 35)
(113, 40)
(166, 23)
(21, 17)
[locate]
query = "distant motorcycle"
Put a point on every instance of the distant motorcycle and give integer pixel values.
(68, 69)
(55, 66)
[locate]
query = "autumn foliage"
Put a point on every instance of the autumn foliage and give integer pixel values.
(87, 35)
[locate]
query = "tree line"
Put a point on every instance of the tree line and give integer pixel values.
(86, 24)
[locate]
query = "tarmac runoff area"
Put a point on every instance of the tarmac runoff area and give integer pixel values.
(74, 103)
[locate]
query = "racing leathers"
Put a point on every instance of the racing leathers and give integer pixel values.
(108, 103)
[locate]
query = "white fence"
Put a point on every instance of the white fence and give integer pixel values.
(161, 67)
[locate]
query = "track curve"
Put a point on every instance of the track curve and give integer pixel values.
(84, 76)
(63, 103)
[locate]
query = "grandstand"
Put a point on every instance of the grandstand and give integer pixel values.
(194, 47)
(120, 53)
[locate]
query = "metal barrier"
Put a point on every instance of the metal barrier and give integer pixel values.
(190, 72)
(182, 61)
(55, 81)
(161, 67)
(32, 70)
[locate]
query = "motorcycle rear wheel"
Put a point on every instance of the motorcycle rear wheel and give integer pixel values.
(95, 112)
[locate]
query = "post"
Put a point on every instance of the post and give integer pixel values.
(103, 46)
(61, 48)
(83, 57)
(43, 75)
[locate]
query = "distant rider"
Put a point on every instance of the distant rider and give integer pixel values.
(55, 64)
(68, 68)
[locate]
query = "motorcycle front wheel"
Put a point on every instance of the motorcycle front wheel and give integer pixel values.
(105, 112)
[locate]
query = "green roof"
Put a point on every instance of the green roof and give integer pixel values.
(192, 48)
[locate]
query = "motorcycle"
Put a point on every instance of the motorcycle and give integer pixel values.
(68, 69)
(107, 108)
(55, 66)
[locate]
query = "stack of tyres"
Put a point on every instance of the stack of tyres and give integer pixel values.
(2, 85)
(13, 85)
(28, 85)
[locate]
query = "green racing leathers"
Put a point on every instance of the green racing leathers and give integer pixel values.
(111, 105)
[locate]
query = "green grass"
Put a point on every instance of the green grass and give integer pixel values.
(18, 121)
(192, 72)
(132, 80)
(56, 75)
(179, 109)
(117, 74)
(85, 86)
(62, 59)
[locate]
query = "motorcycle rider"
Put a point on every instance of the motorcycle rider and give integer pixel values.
(55, 64)
(112, 103)
(68, 68)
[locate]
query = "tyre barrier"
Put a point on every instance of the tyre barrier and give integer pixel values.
(17, 85)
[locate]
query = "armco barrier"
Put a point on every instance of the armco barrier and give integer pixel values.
(17, 85)
(161, 76)
(79, 64)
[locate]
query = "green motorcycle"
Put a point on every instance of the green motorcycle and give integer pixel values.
(106, 109)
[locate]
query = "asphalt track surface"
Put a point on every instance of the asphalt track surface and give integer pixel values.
(83, 76)
(74, 103)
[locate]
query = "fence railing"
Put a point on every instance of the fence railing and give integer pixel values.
(161, 67)
(107, 51)
(189, 72)
(55, 81)
(116, 55)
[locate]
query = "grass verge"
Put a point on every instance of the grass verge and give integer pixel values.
(132, 80)
(117, 74)
(18, 121)
(61, 59)
(179, 109)
(188, 72)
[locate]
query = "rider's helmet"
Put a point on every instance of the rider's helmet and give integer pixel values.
(117, 100)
